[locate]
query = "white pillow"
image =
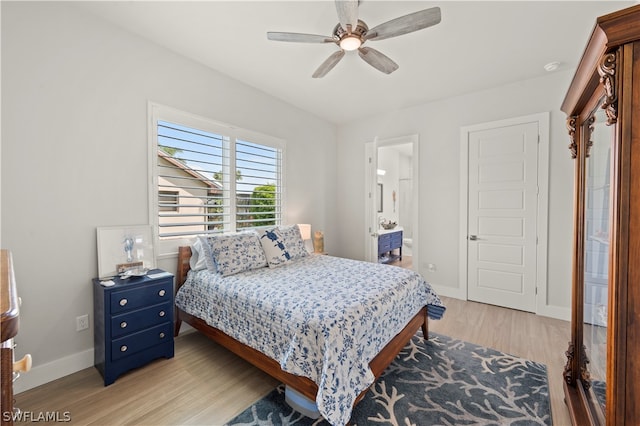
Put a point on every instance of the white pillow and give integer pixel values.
(198, 255)
(229, 254)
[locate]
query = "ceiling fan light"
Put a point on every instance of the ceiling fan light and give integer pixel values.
(350, 43)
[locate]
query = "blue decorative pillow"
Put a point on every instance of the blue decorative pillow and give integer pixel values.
(274, 247)
(230, 254)
(282, 244)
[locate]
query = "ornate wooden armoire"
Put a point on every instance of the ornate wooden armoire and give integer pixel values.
(602, 374)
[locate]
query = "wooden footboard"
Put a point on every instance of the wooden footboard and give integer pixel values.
(301, 384)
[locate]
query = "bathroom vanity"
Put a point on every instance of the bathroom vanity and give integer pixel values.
(389, 245)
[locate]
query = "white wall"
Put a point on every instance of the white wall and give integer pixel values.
(438, 126)
(74, 142)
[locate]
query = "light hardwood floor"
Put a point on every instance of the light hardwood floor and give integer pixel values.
(205, 384)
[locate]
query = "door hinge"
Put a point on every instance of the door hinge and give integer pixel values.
(536, 291)
(370, 160)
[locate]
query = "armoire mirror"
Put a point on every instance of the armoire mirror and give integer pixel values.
(602, 373)
(595, 274)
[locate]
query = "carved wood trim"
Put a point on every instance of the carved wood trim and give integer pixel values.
(607, 71)
(585, 376)
(571, 126)
(568, 367)
(590, 129)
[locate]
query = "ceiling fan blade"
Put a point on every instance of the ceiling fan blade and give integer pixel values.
(328, 64)
(377, 60)
(299, 38)
(347, 14)
(405, 24)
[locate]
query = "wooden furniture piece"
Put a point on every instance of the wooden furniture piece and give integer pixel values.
(602, 374)
(300, 384)
(133, 322)
(387, 242)
(9, 326)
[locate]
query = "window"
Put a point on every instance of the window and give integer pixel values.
(168, 201)
(194, 160)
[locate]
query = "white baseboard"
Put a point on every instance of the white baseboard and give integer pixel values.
(557, 312)
(446, 291)
(551, 311)
(44, 373)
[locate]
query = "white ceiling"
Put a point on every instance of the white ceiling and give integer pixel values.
(477, 45)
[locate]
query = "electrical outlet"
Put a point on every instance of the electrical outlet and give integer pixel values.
(82, 322)
(431, 267)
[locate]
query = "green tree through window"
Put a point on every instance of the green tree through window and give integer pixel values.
(262, 205)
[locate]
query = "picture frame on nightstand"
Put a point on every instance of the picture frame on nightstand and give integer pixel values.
(119, 246)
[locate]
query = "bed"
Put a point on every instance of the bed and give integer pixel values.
(303, 324)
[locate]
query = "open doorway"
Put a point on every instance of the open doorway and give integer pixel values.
(393, 194)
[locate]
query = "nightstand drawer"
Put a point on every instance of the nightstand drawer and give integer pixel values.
(141, 340)
(384, 246)
(152, 294)
(396, 239)
(141, 318)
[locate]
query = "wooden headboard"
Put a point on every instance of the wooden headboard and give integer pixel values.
(184, 254)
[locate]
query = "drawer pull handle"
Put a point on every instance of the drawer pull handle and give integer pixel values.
(162, 335)
(161, 293)
(123, 324)
(123, 302)
(161, 313)
(123, 348)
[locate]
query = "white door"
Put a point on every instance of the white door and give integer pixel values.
(502, 211)
(405, 206)
(371, 201)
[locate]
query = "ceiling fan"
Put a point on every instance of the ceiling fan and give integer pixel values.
(351, 33)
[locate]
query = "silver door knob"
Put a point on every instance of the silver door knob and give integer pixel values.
(473, 237)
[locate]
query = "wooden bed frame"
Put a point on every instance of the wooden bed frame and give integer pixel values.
(301, 384)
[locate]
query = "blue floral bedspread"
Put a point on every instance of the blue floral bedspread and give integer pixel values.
(320, 317)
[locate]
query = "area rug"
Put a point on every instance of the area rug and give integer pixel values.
(442, 381)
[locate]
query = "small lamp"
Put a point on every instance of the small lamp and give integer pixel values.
(318, 242)
(305, 232)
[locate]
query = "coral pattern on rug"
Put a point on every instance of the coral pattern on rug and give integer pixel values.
(442, 381)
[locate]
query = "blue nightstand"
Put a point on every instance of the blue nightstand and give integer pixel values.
(133, 323)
